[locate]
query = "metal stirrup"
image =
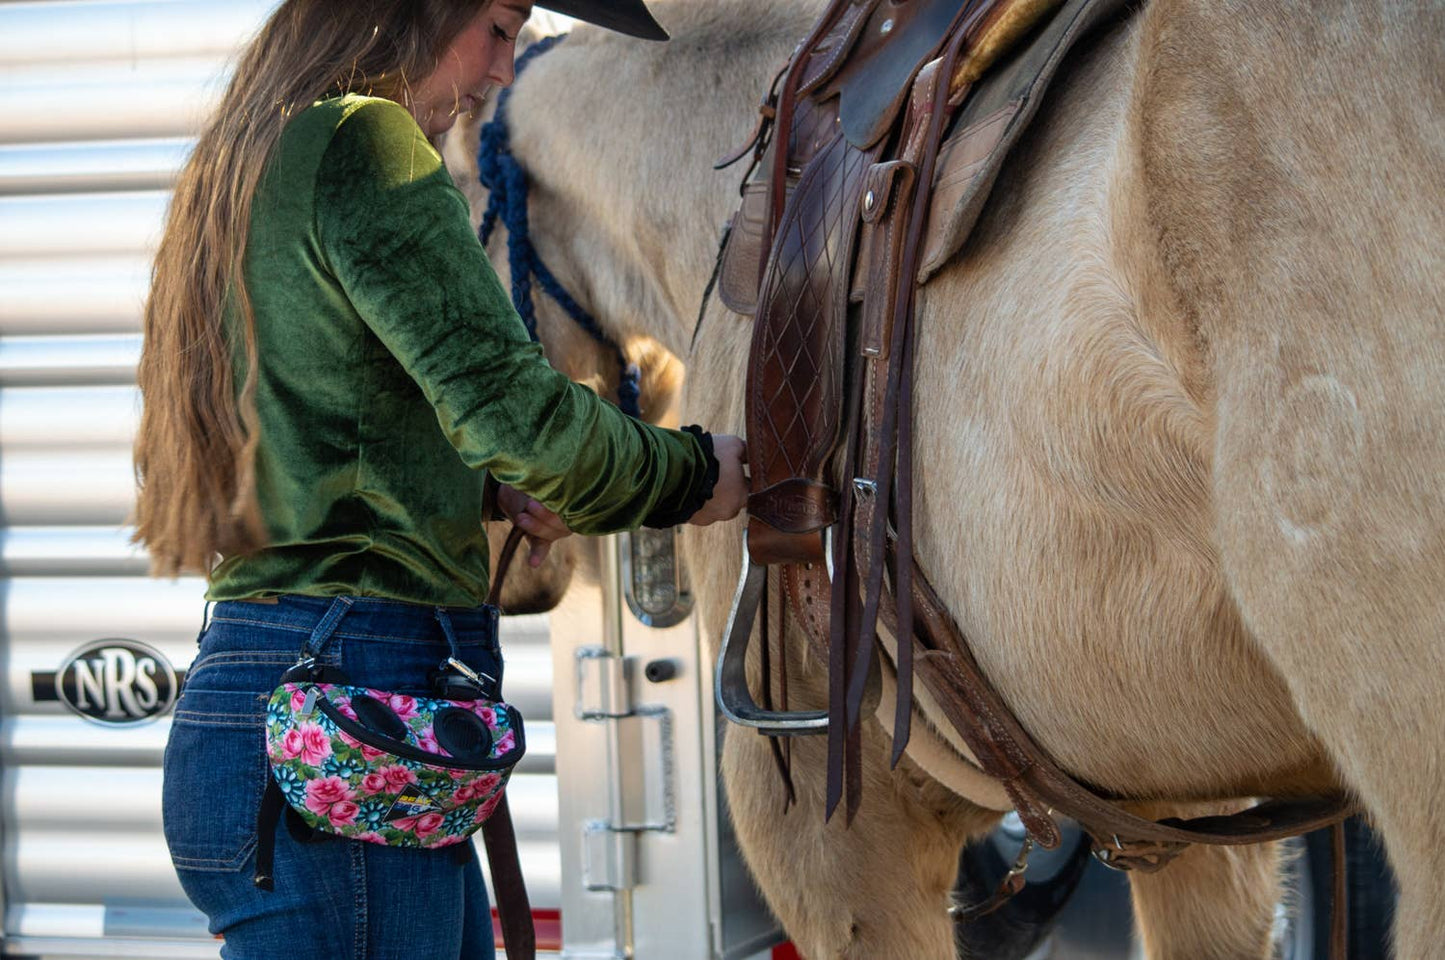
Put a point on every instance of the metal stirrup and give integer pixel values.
(731, 684)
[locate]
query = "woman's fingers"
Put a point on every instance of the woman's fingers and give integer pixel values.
(542, 528)
(539, 521)
(539, 538)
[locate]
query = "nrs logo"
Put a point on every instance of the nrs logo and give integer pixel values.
(117, 682)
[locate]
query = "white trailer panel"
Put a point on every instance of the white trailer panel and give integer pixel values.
(99, 106)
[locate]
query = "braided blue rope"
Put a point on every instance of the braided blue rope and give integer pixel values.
(504, 177)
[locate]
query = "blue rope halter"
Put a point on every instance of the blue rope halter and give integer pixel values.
(504, 177)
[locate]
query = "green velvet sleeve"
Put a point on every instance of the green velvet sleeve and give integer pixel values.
(395, 233)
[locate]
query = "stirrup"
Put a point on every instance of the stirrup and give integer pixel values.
(734, 698)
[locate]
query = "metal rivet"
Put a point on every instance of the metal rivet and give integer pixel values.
(885, 28)
(866, 488)
(868, 200)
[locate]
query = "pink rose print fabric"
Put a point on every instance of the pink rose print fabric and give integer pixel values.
(346, 778)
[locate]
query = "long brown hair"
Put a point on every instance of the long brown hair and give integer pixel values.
(196, 448)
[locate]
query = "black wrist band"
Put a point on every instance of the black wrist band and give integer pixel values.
(701, 491)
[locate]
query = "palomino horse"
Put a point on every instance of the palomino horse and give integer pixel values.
(1180, 434)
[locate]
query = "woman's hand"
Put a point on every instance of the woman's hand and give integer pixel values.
(542, 526)
(730, 494)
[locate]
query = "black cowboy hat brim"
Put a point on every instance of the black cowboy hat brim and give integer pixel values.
(625, 16)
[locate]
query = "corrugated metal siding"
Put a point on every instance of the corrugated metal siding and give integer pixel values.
(98, 105)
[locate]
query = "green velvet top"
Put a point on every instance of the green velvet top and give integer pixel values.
(394, 373)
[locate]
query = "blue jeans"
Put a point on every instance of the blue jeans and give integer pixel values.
(334, 899)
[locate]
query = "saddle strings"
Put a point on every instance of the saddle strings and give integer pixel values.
(893, 482)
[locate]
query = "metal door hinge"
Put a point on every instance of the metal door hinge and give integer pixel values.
(648, 799)
(640, 769)
(609, 857)
(602, 692)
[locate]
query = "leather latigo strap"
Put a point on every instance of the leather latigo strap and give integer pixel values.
(881, 445)
(504, 563)
(514, 910)
(1005, 750)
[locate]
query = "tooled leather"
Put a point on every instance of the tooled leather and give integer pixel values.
(796, 363)
(804, 251)
(795, 505)
(825, 58)
(742, 261)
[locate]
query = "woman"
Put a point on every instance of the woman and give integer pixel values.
(331, 369)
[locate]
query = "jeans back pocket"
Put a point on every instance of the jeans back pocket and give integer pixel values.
(215, 768)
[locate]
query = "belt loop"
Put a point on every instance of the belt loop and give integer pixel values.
(325, 627)
(445, 620)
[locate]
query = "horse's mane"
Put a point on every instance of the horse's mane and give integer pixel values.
(725, 23)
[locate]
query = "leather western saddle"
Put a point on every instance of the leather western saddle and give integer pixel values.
(875, 153)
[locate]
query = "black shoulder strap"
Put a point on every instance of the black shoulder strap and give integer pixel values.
(272, 805)
(513, 908)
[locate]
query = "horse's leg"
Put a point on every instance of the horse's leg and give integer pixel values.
(1332, 525)
(1315, 284)
(1333, 534)
(1353, 613)
(1209, 903)
(875, 891)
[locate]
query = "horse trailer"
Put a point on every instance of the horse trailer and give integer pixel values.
(622, 825)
